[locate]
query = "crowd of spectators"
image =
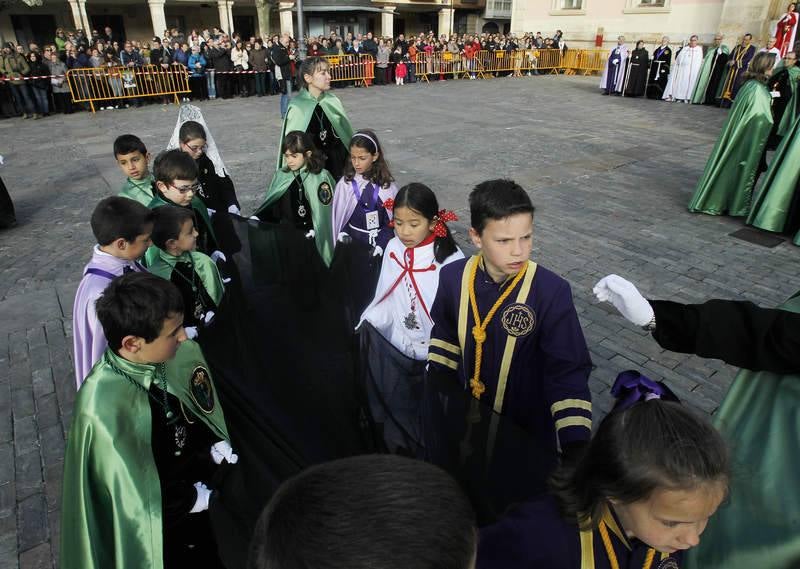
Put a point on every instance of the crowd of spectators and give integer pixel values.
(33, 85)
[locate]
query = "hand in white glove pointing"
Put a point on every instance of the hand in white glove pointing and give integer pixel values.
(625, 298)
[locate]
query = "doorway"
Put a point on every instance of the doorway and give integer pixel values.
(40, 29)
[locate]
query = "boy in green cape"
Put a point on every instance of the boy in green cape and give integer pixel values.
(195, 274)
(147, 443)
(133, 159)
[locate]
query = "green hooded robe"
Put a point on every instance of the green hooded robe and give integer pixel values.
(771, 206)
(111, 502)
(202, 264)
(319, 193)
(139, 190)
(759, 524)
(730, 173)
(705, 74)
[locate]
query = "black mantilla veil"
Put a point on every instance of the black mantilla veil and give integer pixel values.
(293, 378)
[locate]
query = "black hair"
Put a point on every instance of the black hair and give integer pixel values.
(421, 199)
(310, 66)
(191, 130)
(171, 165)
(651, 444)
(168, 221)
(300, 142)
(366, 139)
(127, 143)
(137, 304)
(497, 199)
(364, 512)
(117, 217)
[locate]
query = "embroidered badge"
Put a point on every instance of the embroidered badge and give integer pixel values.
(518, 320)
(324, 193)
(668, 563)
(200, 388)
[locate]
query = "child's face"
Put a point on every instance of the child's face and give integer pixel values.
(134, 250)
(411, 227)
(179, 192)
(671, 520)
(194, 147)
(164, 347)
(134, 164)
(187, 238)
(362, 159)
(506, 244)
(295, 160)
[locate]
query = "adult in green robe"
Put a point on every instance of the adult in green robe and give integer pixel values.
(206, 240)
(776, 206)
(141, 191)
(317, 190)
(726, 185)
(784, 80)
(202, 288)
(759, 525)
(111, 510)
(320, 114)
(711, 72)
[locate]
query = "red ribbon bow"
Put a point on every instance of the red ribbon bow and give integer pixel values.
(388, 204)
(444, 216)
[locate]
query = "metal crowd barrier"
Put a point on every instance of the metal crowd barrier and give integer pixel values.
(359, 69)
(88, 85)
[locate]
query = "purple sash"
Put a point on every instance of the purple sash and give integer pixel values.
(368, 206)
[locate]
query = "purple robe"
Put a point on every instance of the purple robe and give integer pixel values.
(345, 211)
(533, 535)
(535, 363)
(613, 78)
(89, 341)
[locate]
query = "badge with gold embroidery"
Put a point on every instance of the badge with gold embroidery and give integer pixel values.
(200, 388)
(324, 193)
(518, 320)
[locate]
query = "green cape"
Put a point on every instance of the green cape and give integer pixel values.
(111, 500)
(728, 179)
(200, 209)
(321, 212)
(759, 525)
(705, 75)
(790, 114)
(139, 190)
(205, 268)
(773, 201)
(301, 109)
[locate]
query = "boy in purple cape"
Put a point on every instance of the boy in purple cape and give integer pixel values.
(122, 228)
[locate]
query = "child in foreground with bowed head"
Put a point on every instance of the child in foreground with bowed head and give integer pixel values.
(641, 494)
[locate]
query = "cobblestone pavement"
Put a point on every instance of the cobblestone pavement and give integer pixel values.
(610, 179)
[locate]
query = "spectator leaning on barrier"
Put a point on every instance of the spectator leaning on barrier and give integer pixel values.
(197, 79)
(61, 98)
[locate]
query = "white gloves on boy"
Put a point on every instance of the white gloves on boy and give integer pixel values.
(216, 255)
(209, 316)
(203, 495)
(234, 210)
(211, 212)
(191, 332)
(626, 298)
(343, 237)
(311, 234)
(223, 451)
(377, 251)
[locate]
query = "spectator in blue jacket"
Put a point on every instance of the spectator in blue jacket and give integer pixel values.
(197, 79)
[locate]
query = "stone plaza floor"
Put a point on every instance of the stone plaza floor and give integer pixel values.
(610, 179)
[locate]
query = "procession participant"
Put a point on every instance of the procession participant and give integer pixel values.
(714, 65)
(684, 74)
(738, 63)
(659, 70)
(614, 72)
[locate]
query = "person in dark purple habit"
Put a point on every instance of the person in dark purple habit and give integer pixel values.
(641, 493)
(507, 329)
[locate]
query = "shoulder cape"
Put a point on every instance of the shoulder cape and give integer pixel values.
(205, 268)
(319, 192)
(111, 505)
(301, 109)
(705, 75)
(140, 191)
(758, 526)
(727, 182)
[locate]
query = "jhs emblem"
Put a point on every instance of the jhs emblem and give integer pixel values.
(518, 320)
(324, 193)
(668, 563)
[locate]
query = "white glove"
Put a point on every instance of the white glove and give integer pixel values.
(311, 234)
(2, 161)
(208, 317)
(226, 280)
(191, 332)
(377, 251)
(234, 210)
(203, 495)
(625, 298)
(216, 255)
(343, 237)
(211, 211)
(222, 451)
(254, 218)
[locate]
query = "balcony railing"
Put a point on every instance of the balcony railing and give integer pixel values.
(498, 9)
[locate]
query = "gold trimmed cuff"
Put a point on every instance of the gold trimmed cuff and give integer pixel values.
(452, 364)
(570, 404)
(452, 348)
(574, 422)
